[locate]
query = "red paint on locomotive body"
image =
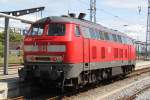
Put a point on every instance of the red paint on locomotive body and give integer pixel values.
(75, 46)
(78, 48)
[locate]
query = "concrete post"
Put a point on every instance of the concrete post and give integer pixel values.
(6, 48)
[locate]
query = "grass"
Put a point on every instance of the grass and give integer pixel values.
(13, 59)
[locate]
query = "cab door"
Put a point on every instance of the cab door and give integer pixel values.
(86, 54)
(129, 53)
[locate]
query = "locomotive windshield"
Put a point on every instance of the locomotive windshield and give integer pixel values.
(36, 29)
(56, 29)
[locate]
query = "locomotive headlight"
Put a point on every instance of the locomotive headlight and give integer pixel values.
(30, 48)
(56, 48)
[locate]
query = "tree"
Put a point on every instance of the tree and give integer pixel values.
(14, 37)
(1, 37)
(1, 50)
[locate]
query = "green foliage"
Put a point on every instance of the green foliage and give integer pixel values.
(1, 50)
(1, 37)
(13, 37)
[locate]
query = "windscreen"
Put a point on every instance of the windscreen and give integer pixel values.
(37, 29)
(56, 29)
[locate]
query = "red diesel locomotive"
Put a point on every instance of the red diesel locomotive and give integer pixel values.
(66, 51)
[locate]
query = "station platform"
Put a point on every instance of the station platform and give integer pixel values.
(8, 82)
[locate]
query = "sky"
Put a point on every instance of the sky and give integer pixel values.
(122, 15)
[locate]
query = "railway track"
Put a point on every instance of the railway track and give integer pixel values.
(66, 95)
(11, 69)
(140, 71)
(13, 66)
(133, 96)
(18, 98)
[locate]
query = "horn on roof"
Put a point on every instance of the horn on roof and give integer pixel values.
(81, 16)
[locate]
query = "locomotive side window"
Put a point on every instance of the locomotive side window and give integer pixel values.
(86, 32)
(114, 37)
(37, 29)
(93, 34)
(125, 40)
(110, 37)
(97, 34)
(106, 36)
(77, 31)
(56, 29)
(101, 35)
(130, 41)
(119, 38)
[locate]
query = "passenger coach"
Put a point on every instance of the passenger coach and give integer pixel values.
(65, 51)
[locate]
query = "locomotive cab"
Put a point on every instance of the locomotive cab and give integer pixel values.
(47, 42)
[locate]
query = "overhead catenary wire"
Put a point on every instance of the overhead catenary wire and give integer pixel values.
(106, 12)
(125, 23)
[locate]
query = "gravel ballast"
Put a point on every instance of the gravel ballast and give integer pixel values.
(128, 90)
(143, 96)
(115, 90)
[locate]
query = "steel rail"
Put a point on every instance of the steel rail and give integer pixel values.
(140, 71)
(17, 98)
(133, 96)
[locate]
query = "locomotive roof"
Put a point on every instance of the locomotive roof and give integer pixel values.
(82, 23)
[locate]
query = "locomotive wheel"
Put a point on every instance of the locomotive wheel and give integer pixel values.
(99, 75)
(104, 74)
(93, 78)
(76, 83)
(62, 85)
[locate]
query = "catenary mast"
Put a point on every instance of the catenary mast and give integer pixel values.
(148, 32)
(93, 11)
